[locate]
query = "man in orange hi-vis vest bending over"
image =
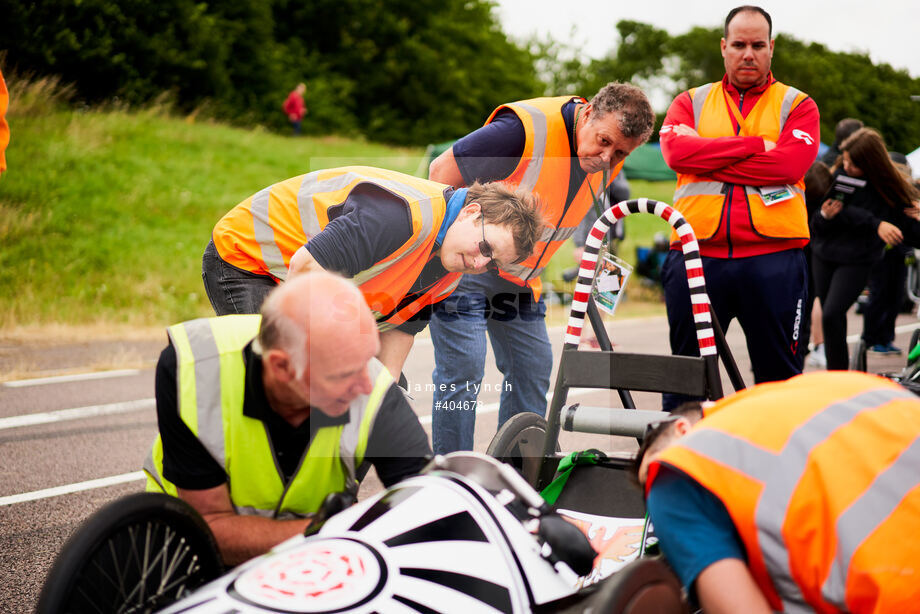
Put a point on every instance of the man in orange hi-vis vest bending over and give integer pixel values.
(792, 496)
(402, 240)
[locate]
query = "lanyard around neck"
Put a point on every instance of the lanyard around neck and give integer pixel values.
(736, 112)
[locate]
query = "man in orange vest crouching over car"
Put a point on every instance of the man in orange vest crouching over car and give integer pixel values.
(792, 496)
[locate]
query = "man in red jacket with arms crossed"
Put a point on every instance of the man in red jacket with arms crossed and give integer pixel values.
(741, 148)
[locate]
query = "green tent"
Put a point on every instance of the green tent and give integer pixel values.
(646, 162)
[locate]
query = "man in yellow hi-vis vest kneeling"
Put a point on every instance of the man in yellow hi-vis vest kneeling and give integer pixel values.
(262, 416)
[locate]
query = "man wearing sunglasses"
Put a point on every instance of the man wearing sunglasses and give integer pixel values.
(563, 149)
(791, 496)
(402, 240)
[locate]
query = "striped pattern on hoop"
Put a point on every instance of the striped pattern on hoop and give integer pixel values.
(698, 298)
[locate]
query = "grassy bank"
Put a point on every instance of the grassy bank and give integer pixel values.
(104, 213)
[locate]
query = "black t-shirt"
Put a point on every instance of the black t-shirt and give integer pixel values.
(491, 153)
(370, 225)
(397, 447)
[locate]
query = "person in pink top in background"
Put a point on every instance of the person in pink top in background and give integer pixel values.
(295, 108)
(4, 127)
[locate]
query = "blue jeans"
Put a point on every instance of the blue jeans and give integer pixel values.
(231, 289)
(516, 327)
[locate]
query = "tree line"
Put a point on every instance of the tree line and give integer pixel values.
(397, 71)
(842, 84)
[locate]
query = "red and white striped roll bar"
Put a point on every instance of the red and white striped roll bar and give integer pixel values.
(691, 249)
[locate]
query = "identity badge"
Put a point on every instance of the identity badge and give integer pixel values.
(609, 282)
(773, 194)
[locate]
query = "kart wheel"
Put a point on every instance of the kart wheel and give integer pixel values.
(644, 585)
(858, 358)
(519, 443)
(137, 554)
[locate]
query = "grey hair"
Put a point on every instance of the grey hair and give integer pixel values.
(278, 331)
(636, 118)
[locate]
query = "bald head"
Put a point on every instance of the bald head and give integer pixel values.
(316, 316)
(317, 339)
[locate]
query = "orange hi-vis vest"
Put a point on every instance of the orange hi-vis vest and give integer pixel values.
(544, 169)
(821, 477)
(702, 200)
(262, 233)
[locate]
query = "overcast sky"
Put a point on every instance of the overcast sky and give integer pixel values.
(886, 29)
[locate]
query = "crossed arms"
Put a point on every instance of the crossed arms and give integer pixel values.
(746, 160)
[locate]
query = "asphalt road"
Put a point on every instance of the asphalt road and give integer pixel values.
(68, 446)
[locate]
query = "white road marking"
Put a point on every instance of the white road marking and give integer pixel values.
(77, 377)
(76, 413)
(903, 328)
(68, 489)
(72, 488)
(144, 404)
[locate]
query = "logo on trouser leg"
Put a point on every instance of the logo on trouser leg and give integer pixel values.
(795, 326)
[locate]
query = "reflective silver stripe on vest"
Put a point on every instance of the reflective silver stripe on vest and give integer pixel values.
(716, 188)
(311, 186)
(453, 286)
(699, 98)
(521, 272)
(246, 510)
(427, 212)
(786, 108)
(535, 164)
(151, 468)
(700, 188)
(865, 514)
(308, 187)
(351, 433)
(781, 474)
(207, 388)
(265, 234)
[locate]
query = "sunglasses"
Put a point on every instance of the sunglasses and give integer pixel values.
(485, 249)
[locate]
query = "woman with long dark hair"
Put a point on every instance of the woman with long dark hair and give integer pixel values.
(850, 235)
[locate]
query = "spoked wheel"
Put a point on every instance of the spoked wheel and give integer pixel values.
(519, 443)
(137, 554)
(858, 359)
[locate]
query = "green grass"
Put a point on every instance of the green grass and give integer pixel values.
(104, 214)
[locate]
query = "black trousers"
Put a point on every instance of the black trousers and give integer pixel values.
(837, 287)
(766, 294)
(887, 292)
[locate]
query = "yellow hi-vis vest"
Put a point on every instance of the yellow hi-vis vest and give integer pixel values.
(211, 379)
(544, 169)
(821, 477)
(701, 200)
(262, 233)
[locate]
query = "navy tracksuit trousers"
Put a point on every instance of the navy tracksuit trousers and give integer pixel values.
(766, 294)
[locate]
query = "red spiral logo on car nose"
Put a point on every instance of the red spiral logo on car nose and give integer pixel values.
(321, 575)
